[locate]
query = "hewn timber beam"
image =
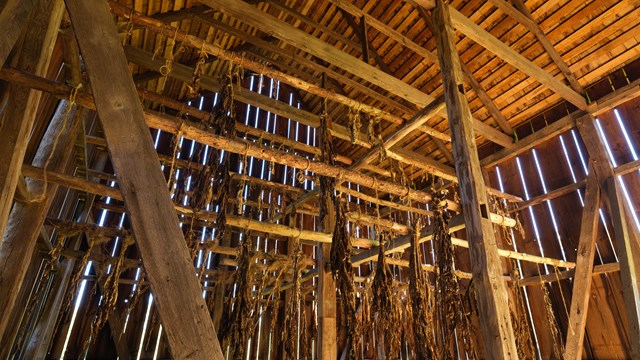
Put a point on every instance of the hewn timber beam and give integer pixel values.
(18, 240)
(285, 32)
(550, 195)
(488, 41)
(13, 20)
(629, 260)
(584, 269)
(397, 245)
(521, 14)
(567, 274)
(597, 107)
(189, 329)
(491, 292)
(18, 243)
(627, 168)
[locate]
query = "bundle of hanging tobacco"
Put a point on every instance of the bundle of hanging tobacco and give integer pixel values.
(327, 184)
(343, 274)
(519, 319)
(237, 324)
(214, 181)
(385, 303)
(451, 311)
(419, 292)
(292, 310)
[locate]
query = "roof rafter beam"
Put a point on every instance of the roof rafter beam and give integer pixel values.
(500, 49)
(297, 38)
(420, 50)
(522, 15)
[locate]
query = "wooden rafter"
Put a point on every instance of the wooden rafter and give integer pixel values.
(312, 45)
(522, 15)
(484, 38)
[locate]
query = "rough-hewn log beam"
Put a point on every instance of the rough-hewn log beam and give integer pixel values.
(493, 307)
(584, 269)
(18, 120)
(189, 329)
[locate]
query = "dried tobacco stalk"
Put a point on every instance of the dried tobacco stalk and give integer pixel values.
(343, 274)
(385, 304)
(419, 292)
(237, 324)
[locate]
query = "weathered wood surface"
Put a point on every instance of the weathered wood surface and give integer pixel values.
(186, 320)
(491, 293)
(584, 269)
(13, 20)
(19, 226)
(629, 260)
(18, 120)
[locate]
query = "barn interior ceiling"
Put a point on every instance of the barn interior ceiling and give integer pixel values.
(348, 179)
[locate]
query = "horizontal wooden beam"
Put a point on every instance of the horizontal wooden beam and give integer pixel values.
(597, 107)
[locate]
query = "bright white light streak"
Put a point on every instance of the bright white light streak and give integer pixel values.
(155, 352)
(634, 216)
(519, 264)
(549, 206)
(533, 217)
(144, 327)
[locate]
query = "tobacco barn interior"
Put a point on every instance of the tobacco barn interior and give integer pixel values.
(320, 179)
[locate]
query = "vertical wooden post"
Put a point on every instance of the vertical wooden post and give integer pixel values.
(183, 312)
(327, 335)
(495, 320)
(629, 262)
(584, 269)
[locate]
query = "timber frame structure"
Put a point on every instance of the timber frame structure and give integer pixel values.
(178, 179)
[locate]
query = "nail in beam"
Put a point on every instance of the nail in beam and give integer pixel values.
(188, 325)
(495, 320)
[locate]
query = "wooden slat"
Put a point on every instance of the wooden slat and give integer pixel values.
(186, 320)
(493, 307)
(584, 269)
(488, 41)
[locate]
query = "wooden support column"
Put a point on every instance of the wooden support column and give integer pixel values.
(495, 319)
(17, 121)
(327, 348)
(183, 312)
(629, 261)
(584, 269)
